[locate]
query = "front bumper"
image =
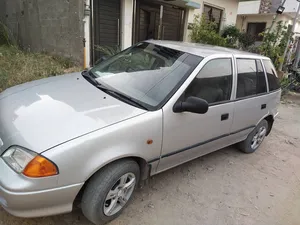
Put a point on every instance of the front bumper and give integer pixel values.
(17, 198)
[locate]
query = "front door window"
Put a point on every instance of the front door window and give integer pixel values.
(213, 83)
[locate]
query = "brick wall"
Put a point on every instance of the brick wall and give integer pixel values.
(53, 26)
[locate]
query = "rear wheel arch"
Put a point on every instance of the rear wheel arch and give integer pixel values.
(270, 120)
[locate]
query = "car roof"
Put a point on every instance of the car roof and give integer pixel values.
(203, 50)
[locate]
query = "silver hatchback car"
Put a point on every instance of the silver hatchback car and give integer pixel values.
(95, 135)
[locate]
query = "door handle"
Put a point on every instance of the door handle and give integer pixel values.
(263, 106)
(224, 117)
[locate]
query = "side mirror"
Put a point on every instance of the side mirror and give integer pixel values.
(103, 58)
(193, 105)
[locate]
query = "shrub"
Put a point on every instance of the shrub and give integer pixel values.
(6, 37)
(231, 34)
(205, 32)
(246, 41)
(17, 67)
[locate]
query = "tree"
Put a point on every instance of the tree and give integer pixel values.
(274, 42)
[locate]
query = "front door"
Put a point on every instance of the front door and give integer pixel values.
(189, 135)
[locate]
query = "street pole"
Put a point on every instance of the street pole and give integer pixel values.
(297, 59)
(275, 18)
(289, 38)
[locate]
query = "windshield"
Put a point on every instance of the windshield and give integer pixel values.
(146, 72)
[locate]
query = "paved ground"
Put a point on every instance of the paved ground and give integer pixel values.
(223, 188)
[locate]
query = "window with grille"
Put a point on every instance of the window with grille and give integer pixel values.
(255, 29)
(213, 14)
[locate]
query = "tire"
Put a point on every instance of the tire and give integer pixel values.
(110, 180)
(260, 131)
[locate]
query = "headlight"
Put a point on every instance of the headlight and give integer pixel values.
(29, 163)
(18, 158)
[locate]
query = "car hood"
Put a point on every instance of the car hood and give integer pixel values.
(41, 114)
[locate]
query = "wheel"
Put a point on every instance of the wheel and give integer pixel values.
(255, 138)
(109, 191)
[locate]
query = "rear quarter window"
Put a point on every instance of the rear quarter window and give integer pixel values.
(271, 75)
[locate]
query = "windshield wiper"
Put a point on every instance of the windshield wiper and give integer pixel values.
(120, 95)
(90, 77)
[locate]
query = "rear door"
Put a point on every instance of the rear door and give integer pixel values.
(251, 104)
(274, 87)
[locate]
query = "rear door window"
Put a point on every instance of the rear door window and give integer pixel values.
(251, 78)
(271, 75)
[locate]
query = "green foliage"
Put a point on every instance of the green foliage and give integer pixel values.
(6, 37)
(253, 49)
(236, 39)
(64, 61)
(205, 32)
(18, 67)
(284, 82)
(231, 34)
(246, 41)
(108, 50)
(274, 42)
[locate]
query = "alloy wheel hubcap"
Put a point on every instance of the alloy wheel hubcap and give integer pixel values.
(119, 194)
(258, 137)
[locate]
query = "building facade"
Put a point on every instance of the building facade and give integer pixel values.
(255, 16)
(73, 28)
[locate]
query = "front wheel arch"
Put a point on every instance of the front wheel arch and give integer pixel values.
(107, 194)
(145, 169)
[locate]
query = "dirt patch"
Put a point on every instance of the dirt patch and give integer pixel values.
(222, 188)
(17, 67)
(291, 98)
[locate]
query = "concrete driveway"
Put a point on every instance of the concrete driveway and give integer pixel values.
(224, 188)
